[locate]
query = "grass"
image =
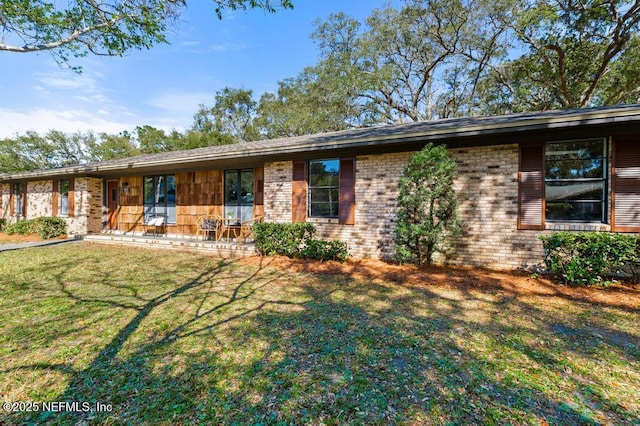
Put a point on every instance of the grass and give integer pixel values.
(183, 338)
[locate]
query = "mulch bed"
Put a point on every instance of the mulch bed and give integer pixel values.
(510, 283)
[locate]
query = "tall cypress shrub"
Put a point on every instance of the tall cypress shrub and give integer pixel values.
(427, 208)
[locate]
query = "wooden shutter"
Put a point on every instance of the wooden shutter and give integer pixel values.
(55, 194)
(299, 192)
(24, 199)
(625, 201)
(258, 190)
(258, 186)
(531, 187)
(347, 191)
(72, 198)
(12, 199)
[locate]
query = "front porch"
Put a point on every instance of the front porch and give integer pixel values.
(224, 249)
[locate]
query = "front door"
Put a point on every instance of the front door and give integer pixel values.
(112, 204)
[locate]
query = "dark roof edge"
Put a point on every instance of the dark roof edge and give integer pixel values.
(437, 130)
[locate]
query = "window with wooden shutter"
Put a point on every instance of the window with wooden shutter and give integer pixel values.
(19, 199)
(626, 185)
(347, 207)
(299, 192)
(531, 187)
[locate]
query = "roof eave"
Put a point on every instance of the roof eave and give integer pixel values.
(588, 118)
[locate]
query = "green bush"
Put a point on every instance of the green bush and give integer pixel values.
(427, 218)
(326, 250)
(50, 227)
(3, 225)
(22, 227)
(285, 239)
(295, 240)
(586, 258)
(45, 227)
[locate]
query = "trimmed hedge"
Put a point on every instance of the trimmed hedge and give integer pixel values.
(586, 258)
(45, 227)
(296, 240)
(325, 250)
(284, 239)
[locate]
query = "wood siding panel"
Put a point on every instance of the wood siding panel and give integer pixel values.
(299, 192)
(626, 185)
(258, 189)
(72, 198)
(24, 199)
(55, 193)
(131, 215)
(531, 187)
(347, 191)
(197, 194)
(12, 200)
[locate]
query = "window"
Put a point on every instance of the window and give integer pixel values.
(575, 181)
(238, 194)
(63, 189)
(160, 197)
(324, 184)
(18, 196)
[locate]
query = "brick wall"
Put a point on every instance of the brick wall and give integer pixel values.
(87, 214)
(87, 217)
(39, 196)
(277, 191)
(487, 192)
(486, 187)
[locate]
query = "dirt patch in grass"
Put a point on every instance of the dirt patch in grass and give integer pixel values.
(509, 283)
(17, 238)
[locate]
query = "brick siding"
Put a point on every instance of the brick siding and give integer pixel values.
(487, 190)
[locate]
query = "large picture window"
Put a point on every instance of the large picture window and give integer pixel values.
(324, 184)
(576, 181)
(160, 197)
(238, 194)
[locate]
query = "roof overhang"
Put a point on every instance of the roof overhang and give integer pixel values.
(455, 133)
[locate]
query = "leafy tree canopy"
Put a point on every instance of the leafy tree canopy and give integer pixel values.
(79, 27)
(232, 114)
(575, 55)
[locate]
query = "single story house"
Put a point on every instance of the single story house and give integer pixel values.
(518, 176)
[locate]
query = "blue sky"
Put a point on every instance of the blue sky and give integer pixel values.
(163, 86)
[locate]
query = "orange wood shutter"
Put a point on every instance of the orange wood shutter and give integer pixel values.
(299, 192)
(347, 191)
(12, 200)
(55, 197)
(24, 199)
(72, 198)
(625, 201)
(258, 186)
(531, 187)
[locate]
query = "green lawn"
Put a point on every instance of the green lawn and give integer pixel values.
(175, 337)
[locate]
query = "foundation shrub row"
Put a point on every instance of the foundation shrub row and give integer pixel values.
(45, 227)
(296, 240)
(586, 258)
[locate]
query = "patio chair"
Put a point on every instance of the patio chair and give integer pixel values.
(208, 225)
(158, 223)
(246, 228)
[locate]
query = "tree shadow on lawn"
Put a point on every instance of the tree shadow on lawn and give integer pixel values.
(267, 348)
